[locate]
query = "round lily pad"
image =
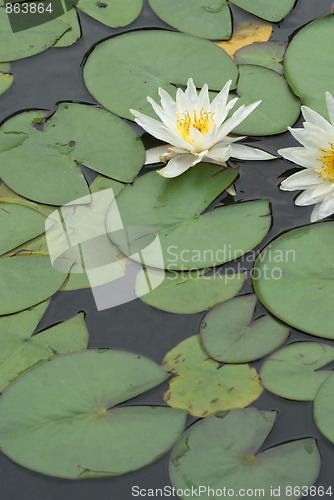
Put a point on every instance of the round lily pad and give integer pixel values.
(271, 10)
(59, 417)
(27, 42)
(222, 453)
(18, 224)
(6, 79)
(187, 293)
(191, 16)
(324, 408)
(230, 334)
(26, 281)
(309, 63)
(279, 108)
(44, 166)
(294, 372)
(113, 13)
(142, 61)
(172, 212)
(202, 387)
(20, 349)
(294, 278)
(267, 54)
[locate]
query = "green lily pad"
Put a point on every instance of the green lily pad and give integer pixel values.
(59, 417)
(41, 162)
(172, 211)
(26, 281)
(113, 13)
(20, 350)
(294, 279)
(18, 224)
(222, 452)
(73, 34)
(279, 108)
(324, 408)
(6, 79)
(195, 18)
(230, 335)
(27, 42)
(308, 72)
(267, 54)
(271, 10)
(140, 62)
(294, 371)
(202, 387)
(190, 293)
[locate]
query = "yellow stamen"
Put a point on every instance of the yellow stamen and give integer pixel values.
(200, 120)
(326, 171)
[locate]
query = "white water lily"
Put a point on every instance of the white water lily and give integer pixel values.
(317, 157)
(195, 130)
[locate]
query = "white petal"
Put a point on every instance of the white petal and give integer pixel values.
(220, 100)
(322, 190)
(183, 103)
(327, 207)
(153, 155)
(248, 153)
(231, 190)
(167, 102)
(301, 180)
(176, 166)
(191, 92)
(203, 99)
(305, 198)
(169, 121)
(330, 106)
(152, 126)
(219, 153)
(196, 138)
(313, 117)
(238, 116)
(315, 213)
(308, 158)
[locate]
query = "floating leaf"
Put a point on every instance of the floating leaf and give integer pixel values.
(309, 63)
(73, 34)
(59, 417)
(230, 335)
(279, 108)
(245, 33)
(267, 9)
(18, 224)
(20, 350)
(6, 79)
(295, 278)
(172, 211)
(222, 452)
(30, 41)
(26, 281)
(191, 16)
(190, 293)
(202, 387)
(141, 61)
(324, 408)
(267, 54)
(44, 165)
(113, 13)
(294, 371)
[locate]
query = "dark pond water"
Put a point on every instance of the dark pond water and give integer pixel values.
(56, 75)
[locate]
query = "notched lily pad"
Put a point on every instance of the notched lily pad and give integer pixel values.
(187, 293)
(20, 349)
(294, 372)
(193, 17)
(267, 54)
(41, 162)
(59, 418)
(271, 10)
(223, 452)
(295, 278)
(230, 334)
(140, 62)
(203, 387)
(6, 78)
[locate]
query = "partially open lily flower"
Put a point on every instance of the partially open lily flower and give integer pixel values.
(317, 157)
(195, 130)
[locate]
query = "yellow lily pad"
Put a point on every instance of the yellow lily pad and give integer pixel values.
(246, 33)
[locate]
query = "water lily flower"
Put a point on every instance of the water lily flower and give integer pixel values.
(196, 129)
(317, 157)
